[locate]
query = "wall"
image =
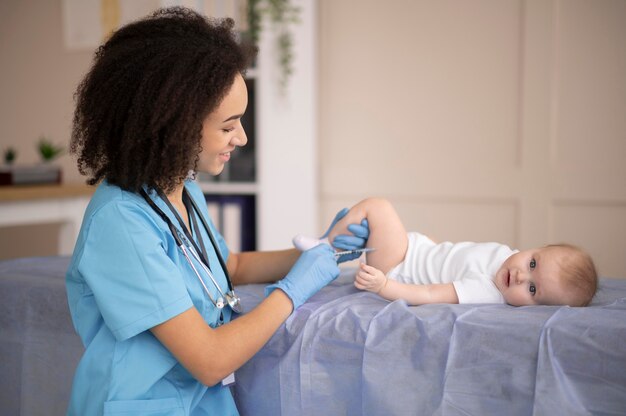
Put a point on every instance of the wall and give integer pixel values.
(287, 128)
(480, 120)
(38, 80)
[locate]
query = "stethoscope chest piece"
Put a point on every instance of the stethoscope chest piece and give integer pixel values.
(233, 301)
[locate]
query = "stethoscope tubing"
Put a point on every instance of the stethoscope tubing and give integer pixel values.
(231, 289)
(207, 271)
(231, 298)
(219, 303)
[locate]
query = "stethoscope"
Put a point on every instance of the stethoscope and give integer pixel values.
(188, 245)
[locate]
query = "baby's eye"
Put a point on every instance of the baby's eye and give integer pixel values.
(532, 289)
(533, 263)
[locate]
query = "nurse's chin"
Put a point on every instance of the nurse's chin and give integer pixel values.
(214, 170)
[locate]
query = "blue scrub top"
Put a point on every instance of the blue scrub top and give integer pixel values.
(127, 275)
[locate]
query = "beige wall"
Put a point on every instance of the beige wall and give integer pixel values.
(481, 120)
(38, 80)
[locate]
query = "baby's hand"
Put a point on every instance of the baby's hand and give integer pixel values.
(370, 278)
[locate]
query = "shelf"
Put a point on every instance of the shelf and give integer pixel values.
(229, 188)
(46, 204)
(31, 192)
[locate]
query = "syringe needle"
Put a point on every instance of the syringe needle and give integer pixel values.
(359, 250)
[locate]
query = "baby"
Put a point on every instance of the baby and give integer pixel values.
(412, 267)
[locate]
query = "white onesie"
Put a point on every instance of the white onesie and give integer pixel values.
(470, 267)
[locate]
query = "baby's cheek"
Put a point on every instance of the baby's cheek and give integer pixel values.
(516, 297)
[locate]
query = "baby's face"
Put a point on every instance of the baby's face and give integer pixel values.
(533, 277)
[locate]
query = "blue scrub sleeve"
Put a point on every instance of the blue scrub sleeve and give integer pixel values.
(127, 263)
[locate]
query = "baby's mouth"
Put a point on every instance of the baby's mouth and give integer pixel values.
(507, 278)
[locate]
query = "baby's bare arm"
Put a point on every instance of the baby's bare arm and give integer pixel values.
(415, 294)
(387, 233)
(373, 280)
(369, 278)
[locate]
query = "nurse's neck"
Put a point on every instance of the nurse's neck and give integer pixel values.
(176, 199)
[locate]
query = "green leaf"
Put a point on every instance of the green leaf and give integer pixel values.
(49, 150)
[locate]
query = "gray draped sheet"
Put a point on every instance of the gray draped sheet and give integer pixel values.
(39, 349)
(347, 352)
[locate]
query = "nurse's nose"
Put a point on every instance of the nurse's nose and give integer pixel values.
(240, 139)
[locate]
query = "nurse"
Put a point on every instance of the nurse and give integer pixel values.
(150, 282)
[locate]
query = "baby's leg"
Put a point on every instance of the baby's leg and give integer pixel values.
(387, 233)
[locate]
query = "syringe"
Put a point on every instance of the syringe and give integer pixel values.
(357, 251)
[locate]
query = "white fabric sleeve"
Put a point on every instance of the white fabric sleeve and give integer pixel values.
(477, 288)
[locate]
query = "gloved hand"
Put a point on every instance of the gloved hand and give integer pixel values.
(342, 213)
(361, 233)
(314, 269)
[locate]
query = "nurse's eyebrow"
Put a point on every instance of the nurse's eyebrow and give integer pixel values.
(235, 117)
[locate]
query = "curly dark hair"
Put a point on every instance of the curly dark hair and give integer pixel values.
(139, 110)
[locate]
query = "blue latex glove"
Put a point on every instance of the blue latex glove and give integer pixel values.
(314, 269)
(358, 240)
(342, 213)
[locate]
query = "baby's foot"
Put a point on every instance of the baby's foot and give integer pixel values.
(303, 243)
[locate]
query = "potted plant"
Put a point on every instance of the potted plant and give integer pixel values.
(39, 173)
(48, 150)
(281, 14)
(10, 154)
